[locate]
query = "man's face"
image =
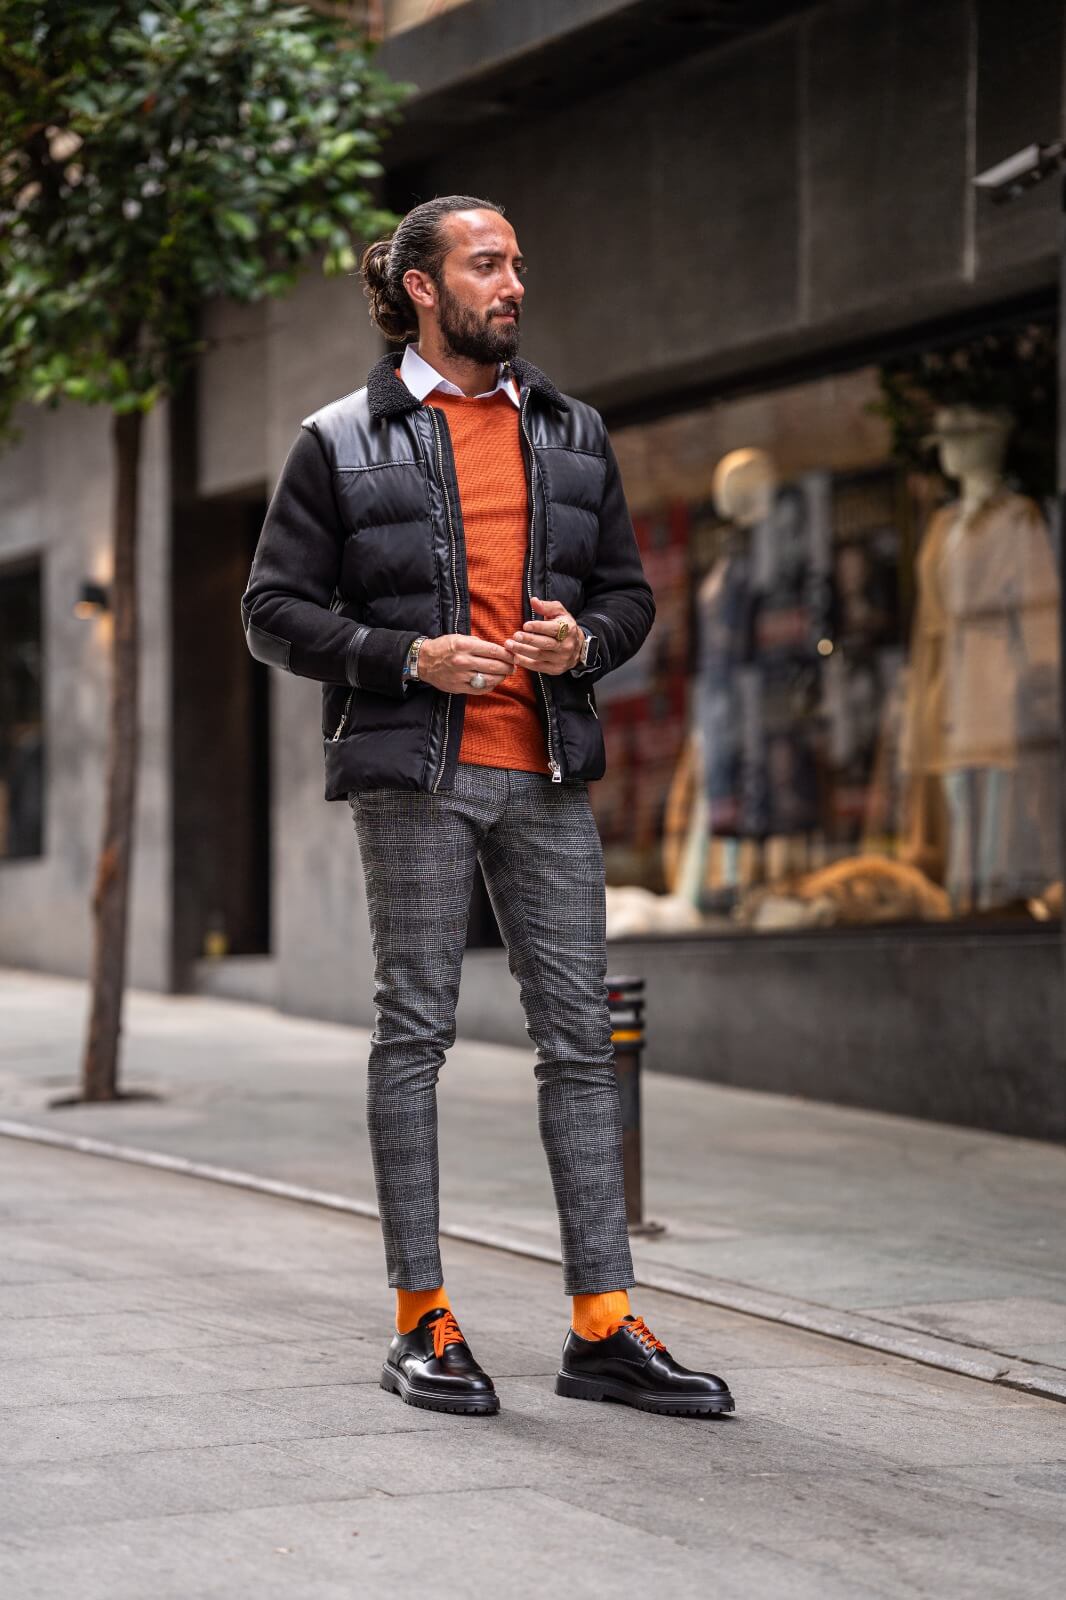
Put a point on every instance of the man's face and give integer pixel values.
(479, 296)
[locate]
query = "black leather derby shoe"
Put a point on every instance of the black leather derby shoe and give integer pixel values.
(432, 1366)
(633, 1366)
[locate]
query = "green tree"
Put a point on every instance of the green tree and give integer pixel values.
(154, 153)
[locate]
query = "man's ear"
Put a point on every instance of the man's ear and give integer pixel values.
(421, 288)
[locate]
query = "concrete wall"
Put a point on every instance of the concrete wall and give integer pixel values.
(55, 501)
(316, 345)
(321, 345)
(951, 1024)
(804, 189)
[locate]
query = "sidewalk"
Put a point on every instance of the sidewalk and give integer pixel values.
(190, 1410)
(942, 1244)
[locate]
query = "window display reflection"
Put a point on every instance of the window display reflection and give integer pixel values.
(848, 708)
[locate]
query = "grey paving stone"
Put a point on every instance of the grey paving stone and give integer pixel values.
(445, 1540)
(132, 1332)
(913, 1415)
(1009, 1323)
(53, 1298)
(1035, 1489)
(244, 1366)
(97, 1489)
(75, 1430)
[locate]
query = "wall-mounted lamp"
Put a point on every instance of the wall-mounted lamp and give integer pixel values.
(93, 600)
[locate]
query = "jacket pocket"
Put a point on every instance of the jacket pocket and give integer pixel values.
(344, 719)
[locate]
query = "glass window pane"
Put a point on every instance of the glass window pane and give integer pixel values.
(847, 711)
(21, 723)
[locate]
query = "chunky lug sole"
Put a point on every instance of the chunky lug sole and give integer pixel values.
(472, 1405)
(574, 1388)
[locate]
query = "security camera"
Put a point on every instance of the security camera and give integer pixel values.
(1024, 170)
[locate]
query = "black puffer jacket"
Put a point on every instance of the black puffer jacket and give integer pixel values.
(362, 550)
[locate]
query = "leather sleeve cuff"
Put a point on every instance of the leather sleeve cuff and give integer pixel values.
(377, 660)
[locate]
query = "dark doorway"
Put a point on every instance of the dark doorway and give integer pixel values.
(221, 739)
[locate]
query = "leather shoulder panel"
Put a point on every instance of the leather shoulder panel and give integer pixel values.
(579, 428)
(352, 438)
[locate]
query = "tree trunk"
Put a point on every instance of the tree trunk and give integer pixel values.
(110, 901)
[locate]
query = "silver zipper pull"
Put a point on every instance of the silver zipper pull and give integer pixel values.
(557, 776)
(344, 718)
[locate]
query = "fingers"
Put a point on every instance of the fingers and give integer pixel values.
(528, 640)
(485, 651)
(495, 662)
(542, 638)
(550, 608)
(536, 647)
(547, 629)
(489, 665)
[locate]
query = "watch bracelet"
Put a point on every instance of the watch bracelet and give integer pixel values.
(411, 668)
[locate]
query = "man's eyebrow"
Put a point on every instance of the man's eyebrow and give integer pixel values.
(495, 255)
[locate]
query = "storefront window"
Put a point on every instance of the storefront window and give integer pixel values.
(847, 711)
(21, 730)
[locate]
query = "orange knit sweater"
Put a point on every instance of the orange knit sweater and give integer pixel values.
(501, 729)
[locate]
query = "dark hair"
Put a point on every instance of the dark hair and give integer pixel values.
(416, 243)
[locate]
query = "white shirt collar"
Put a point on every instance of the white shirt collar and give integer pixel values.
(422, 379)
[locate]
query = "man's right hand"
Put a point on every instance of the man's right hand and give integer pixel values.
(450, 661)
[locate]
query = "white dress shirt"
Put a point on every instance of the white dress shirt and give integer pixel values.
(422, 379)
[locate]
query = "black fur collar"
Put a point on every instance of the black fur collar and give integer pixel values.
(388, 396)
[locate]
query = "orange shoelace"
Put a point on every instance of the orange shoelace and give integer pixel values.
(445, 1331)
(640, 1329)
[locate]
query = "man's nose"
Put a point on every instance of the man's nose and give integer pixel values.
(516, 288)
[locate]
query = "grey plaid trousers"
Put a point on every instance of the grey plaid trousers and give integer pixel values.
(542, 860)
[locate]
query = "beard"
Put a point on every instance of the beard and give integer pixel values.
(477, 336)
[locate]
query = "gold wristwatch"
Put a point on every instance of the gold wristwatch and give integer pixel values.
(410, 666)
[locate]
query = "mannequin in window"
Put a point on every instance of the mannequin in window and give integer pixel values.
(707, 792)
(979, 744)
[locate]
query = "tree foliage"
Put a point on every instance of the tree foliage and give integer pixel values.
(155, 153)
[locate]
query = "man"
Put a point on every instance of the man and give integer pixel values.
(448, 551)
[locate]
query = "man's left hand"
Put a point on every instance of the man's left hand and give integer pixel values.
(536, 645)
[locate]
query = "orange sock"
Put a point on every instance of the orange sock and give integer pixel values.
(414, 1303)
(594, 1314)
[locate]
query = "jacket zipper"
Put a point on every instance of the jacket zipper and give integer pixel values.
(592, 708)
(344, 717)
(455, 582)
(556, 771)
(356, 637)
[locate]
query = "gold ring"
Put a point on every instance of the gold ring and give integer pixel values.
(563, 629)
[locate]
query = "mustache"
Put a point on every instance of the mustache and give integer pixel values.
(506, 311)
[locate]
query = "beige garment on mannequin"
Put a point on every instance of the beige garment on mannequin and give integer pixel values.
(982, 673)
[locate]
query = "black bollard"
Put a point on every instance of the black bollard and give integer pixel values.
(625, 998)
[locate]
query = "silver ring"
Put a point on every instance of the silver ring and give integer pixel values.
(478, 681)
